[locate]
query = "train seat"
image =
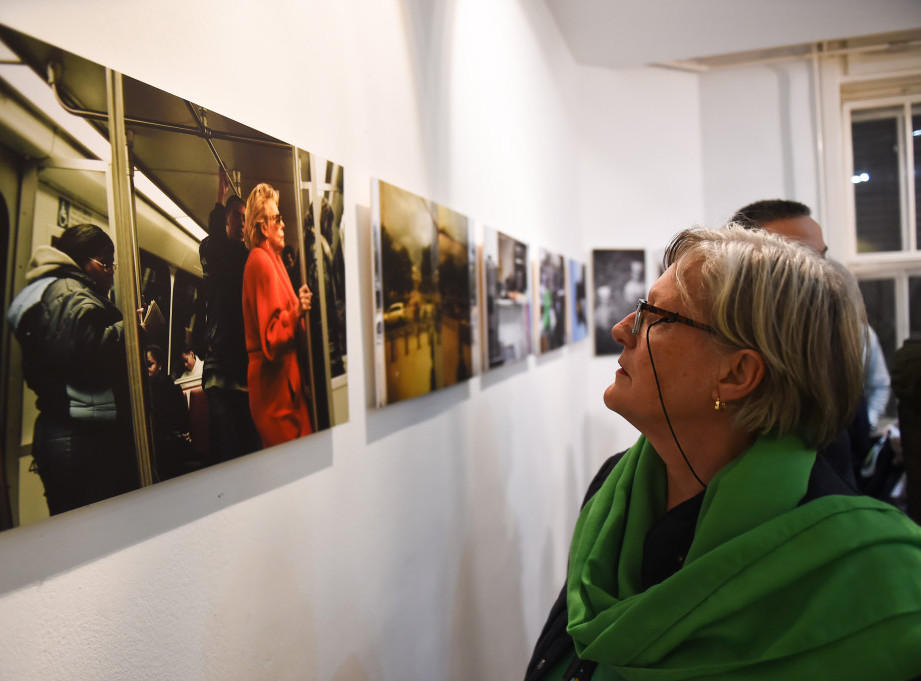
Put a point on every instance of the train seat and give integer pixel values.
(199, 430)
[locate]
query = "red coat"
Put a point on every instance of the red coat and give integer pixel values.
(270, 322)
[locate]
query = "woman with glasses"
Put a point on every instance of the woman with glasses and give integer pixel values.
(72, 340)
(719, 546)
(273, 322)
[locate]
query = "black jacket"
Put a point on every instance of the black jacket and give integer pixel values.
(71, 335)
(222, 264)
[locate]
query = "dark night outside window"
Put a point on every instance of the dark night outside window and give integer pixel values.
(876, 182)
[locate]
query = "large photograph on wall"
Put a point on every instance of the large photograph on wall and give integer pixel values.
(506, 299)
(551, 292)
(424, 293)
(618, 281)
(175, 285)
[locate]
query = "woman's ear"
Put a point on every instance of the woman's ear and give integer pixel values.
(741, 371)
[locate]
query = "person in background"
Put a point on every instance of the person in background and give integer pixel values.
(719, 545)
(223, 258)
(793, 220)
(273, 322)
(191, 364)
(73, 348)
(170, 418)
(906, 383)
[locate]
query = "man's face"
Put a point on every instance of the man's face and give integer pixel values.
(801, 229)
(236, 216)
(188, 360)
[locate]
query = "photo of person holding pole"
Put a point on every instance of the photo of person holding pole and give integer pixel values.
(274, 323)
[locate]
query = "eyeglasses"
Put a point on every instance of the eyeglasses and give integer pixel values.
(668, 317)
(108, 267)
(276, 219)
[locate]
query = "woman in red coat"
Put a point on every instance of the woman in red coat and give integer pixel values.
(273, 316)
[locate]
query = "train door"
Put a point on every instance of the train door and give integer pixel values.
(50, 196)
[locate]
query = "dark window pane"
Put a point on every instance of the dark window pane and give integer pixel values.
(876, 183)
(155, 286)
(879, 298)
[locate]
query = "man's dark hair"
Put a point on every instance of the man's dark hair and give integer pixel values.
(756, 215)
(232, 201)
(84, 241)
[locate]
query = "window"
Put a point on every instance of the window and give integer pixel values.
(885, 153)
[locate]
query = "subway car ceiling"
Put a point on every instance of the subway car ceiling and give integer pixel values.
(177, 146)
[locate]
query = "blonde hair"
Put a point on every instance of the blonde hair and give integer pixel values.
(255, 212)
(801, 312)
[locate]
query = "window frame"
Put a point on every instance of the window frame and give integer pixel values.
(907, 199)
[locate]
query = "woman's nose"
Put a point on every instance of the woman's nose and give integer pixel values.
(622, 331)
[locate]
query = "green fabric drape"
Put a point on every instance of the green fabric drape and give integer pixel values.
(769, 589)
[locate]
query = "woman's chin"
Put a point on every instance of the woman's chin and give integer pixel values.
(610, 397)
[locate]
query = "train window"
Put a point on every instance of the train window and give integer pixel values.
(187, 319)
(155, 287)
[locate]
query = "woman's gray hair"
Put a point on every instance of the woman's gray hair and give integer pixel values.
(801, 312)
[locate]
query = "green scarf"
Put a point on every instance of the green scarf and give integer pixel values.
(769, 589)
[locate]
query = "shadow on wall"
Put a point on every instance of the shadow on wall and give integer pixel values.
(352, 669)
(487, 624)
(85, 534)
(488, 608)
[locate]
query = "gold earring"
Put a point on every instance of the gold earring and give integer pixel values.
(719, 405)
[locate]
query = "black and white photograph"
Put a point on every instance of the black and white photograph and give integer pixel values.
(618, 282)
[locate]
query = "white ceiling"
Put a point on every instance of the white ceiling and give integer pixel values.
(629, 33)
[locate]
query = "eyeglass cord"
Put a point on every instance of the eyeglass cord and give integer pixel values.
(662, 402)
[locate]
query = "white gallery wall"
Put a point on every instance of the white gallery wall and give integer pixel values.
(425, 540)
(759, 132)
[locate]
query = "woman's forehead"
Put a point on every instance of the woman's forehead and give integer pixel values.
(678, 285)
(665, 287)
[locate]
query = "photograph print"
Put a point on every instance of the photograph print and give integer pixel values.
(551, 301)
(618, 281)
(578, 318)
(507, 298)
(423, 275)
(241, 340)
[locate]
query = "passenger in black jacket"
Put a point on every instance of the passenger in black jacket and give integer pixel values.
(223, 257)
(72, 340)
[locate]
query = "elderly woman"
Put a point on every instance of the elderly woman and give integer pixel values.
(273, 319)
(719, 546)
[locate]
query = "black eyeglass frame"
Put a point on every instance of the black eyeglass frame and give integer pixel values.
(667, 316)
